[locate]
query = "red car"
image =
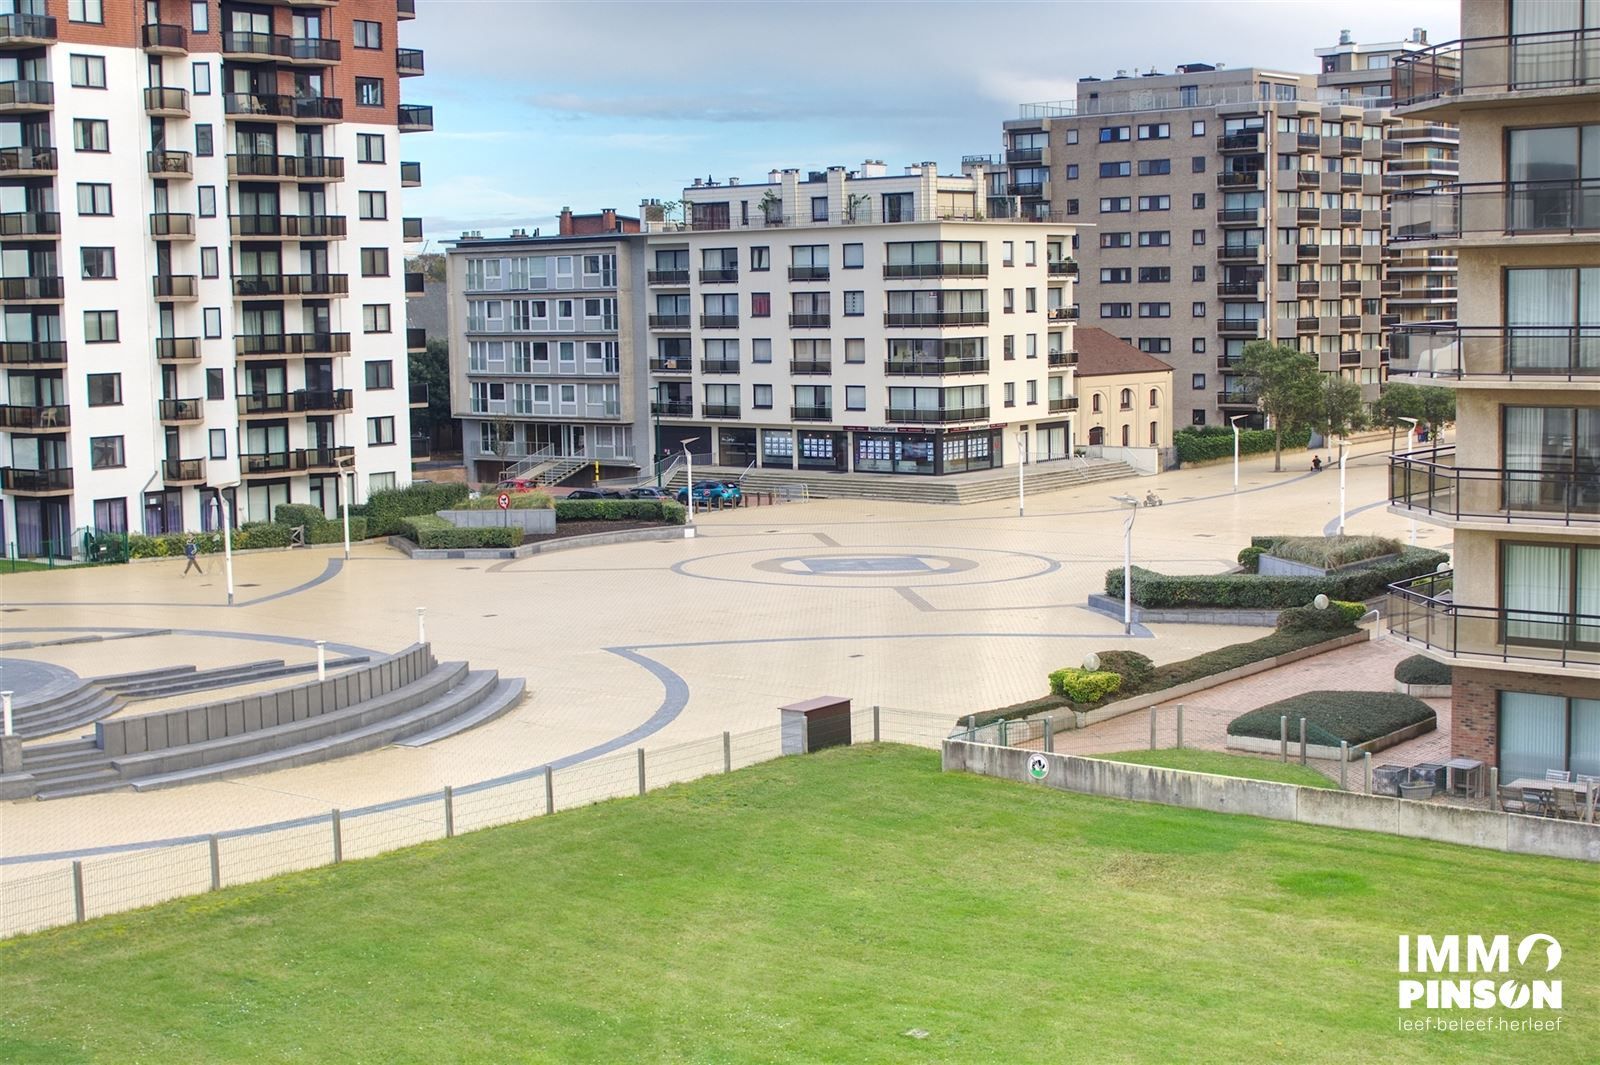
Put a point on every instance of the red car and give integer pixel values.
(516, 484)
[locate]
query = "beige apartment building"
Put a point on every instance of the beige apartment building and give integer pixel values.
(1228, 206)
(858, 321)
(1519, 617)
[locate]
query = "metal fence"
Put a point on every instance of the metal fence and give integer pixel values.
(89, 887)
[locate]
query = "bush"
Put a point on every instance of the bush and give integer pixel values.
(519, 501)
(1354, 717)
(1420, 669)
(1330, 552)
(1204, 443)
(1252, 591)
(1338, 617)
(387, 508)
(1134, 668)
(427, 531)
(663, 510)
(245, 538)
(1082, 686)
(1250, 558)
(332, 532)
(1235, 655)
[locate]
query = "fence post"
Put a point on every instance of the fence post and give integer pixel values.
(1494, 787)
(549, 789)
(727, 752)
(77, 891)
(641, 770)
(1344, 758)
(1049, 735)
(1302, 741)
(1283, 737)
(1366, 772)
(1152, 728)
(338, 839)
(1003, 732)
(449, 812)
(877, 730)
(216, 863)
(1180, 726)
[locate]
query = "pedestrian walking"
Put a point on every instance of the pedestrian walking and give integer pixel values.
(191, 551)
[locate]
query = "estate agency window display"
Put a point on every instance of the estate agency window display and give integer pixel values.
(969, 451)
(777, 448)
(894, 453)
(821, 450)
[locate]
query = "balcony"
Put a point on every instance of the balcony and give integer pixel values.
(1254, 290)
(1059, 360)
(410, 175)
(1307, 323)
(20, 225)
(416, 118)
(681, 364)
(272, 107)
(810, 321)
(182, 411)
(810, 367)
(811, 414)
(719, 365)
(167, 103)
(1240, 253)
(808, 273)
(162, 39)
(1497, 353)
(1253, 142)
(1424, 611)
(253, 345)
(1068, 313)
(405, 10)
(1350, 357)
(1024, 156)
(290, 226)
(27, 162)
(1448, 76)
(918, 416)
(411, 230)
(1236, 398)
(935, 367)
(1241, 180)
(177, 349)
(1307, 288)
(719, 410)
(719, 321)
(329, 459)
(36, 482)
(267, 286)
(1425, 166)
(1430, 483)
(1253, 217)
(16, 96)
(1308, 179)
(670, 322)
(1064, 268)
(408, 62)
(676, 278)
(673, 408)
(418, 395)
(50, 418)
(33, 354)
(271, 463)
(1307, 142)
(1063, 404)
(175, 287)
(1349, 322)
(921, 319)
(31, 289)
(719, 276)
(287, 167)
(416, 339)
(172, 226)
(26, 31)
(1497, 209)
(276, 47)
(1439, 294)
(169, 165)
(301, 401)
(183, 471)
(894, 271)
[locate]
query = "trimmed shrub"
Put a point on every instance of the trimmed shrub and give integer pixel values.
(247, 537)
(1330, 552)
(1420, 669)
(427, 531)
(387, 508)
(619, 510)
(1235, 655)
(292, 514)
(1339, 617)
(519, 501)
(332, 532)
(1204, 443)
(1134, 668)
(1331, 716)
(1082, 686)
(1250, 558)
(1252, 591)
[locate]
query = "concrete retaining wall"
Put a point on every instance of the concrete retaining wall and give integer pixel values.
(1105, 604)
(532, 521)
(1273, 566)
(1516, 833)
(1423, 691)
(234, 717)
(541, 547)
(1259, 745)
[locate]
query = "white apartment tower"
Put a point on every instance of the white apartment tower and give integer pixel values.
(201, 261)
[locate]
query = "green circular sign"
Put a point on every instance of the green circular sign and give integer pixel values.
(1038, 766)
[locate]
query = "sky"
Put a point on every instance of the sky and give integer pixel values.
(594, 104)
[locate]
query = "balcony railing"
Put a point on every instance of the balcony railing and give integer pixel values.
(1250, 216)
(1498, 208)
(416, 283)
(183, 471)
(719, 410)
(719, 365)
(32, 352)
(1424, 611)
(673, 322)
(303, 226)
(1255, 327)
(668, 277)
(300, 167)
(26, 95)
(1242, 288)
(182, 410)
(410, 175)
(810, 367)
(272, 105)
(1253, 141)
(811, 414)
(1239, 253)
(678, 364)
(1061, 359)
(169, 164)
(302, 401)
(895, 270)
(719, 276)
(279, 46)
(810, 321)
(1063, 268)
(1431, 483)
(809, 273)
(719, 321)
(35, 482)
(177, 349)
(673, 408)
(165, 101)
(1236, 398)
(257, 286)
(1067, 313)
(41, 418)
(1563, 59)
(1025, 188)
(935, 367)
(22, 30)
(419, 394)
(416, 339)
(171, 225)
(1533, 353)
(1024, 155)
(917, 415)
(405, 9)
(913, 319)
(1063, 404)
(30, 224)
(253, 344)
(30, 289)
(415, 118)
(36, 160)
(408, 62)
(163, 38)
(1241, 179)
(175, 286)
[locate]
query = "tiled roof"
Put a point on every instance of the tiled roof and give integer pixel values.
(1101, 355)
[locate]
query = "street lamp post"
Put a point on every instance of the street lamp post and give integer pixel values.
(225, 513)
(1410, 435)
(688, 466)
(657, 454)
(1022, 459)
(347, 468)
(1234, 423)
(1344, 451)
(1127, 562)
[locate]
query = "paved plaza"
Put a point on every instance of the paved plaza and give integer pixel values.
(937, 609)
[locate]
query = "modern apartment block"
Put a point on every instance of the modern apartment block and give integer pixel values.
(542, 347)
(859, 321)
(1519, 616)
(1228, 206)
(201, 260)
(1421, 283)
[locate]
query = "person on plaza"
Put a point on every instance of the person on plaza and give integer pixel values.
(1316, 463)
(191, 551)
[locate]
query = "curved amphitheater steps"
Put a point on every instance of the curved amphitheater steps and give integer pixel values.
(961, 489)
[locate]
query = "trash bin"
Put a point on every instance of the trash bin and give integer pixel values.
(812, 724)
(1386, 779)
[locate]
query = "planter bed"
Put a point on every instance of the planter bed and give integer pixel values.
(1365, 720)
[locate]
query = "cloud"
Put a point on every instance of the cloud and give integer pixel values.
(719, 107)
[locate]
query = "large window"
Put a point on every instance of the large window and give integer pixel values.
(1552, 458)
(1541, 732)
(1544, 166)
(1553, 319)
(1551, 593)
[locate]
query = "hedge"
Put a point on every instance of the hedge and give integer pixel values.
(519, 501)
(430, 532)
(1082, 686)
(1250, 558)
(1420, 669)
(1252, 591)
(1202, 444)
(245, 538)
(387, 508)
(1338, 617)
(663, 510)
(1134, 668)
(1331, 716)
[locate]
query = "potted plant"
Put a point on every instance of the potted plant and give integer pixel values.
(1418, 788)
(853, 205)
(771, 205)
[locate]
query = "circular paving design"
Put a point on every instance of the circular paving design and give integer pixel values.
(28, 679)
(896, 566)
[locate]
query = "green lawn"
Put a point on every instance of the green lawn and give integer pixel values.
(22, 565)
(1228, 765)
(814, 909)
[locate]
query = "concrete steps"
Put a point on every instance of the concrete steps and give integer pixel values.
(83, 705)
(507, 694)
(182, 683)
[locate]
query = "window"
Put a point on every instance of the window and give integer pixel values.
(1197, 273)
(1008, 300)
(208, 262)
(1155, 345)
(105, 453)
(855, 304)
(1198, 201)
(855, 397)
(1155, 238)
(761, 349)
(94, 199)
(374, 262)
(369, 148)
(761, 305)
(1072, 208)
(207, 197)
(1155, 131)
(761, 397)
(1540, 732)
(1116, 275)
(1008, 347)
(1094, 404)
(1198, 382)
(1154, 275)
(375, 318)
(379, 482)
(1116, 240)
(1072, 136)
(1112, 170)
(1115, 204)
(380, 431)
(216, 386)
(91, 135)
(819, 208)
(1116, 310)
(1155, 203)
(1155, 397)
(202, 79)
(1157, 167)
(105, 390)
(202, 139)
(219, 443)
(1197, 237)
(373, 206)
(213, 322)
(854, 256)
(380, 375)
(88, 71)
(1126, 399)
(1197, 128)
(1008, 253)
(1072, 171)
(855, 350)
(199, 17)
(85, 11)
(1112, 134)
(99, 264)
(1197, 310)
(1198, 345)
(369, 92)
(1197, 164)
(99, 327)
(367, 34)
(761, 258)
(1197, 417)
(1155, 310)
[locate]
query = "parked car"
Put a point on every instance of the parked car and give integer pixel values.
(648, 491)
(516, 484)
(711, 494)
(595, 493)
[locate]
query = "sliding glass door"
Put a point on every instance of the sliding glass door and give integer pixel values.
(1551, 458)
(1553, 320)
(1550, 594)
(1540, 732)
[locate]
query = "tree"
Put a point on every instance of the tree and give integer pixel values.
(432, 368)
(1398, 402)
(1438, 408)
(1340, 408)
(1287, 386)
(428, 263)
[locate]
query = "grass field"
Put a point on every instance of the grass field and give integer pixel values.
(1228, 765)
(814, 909)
